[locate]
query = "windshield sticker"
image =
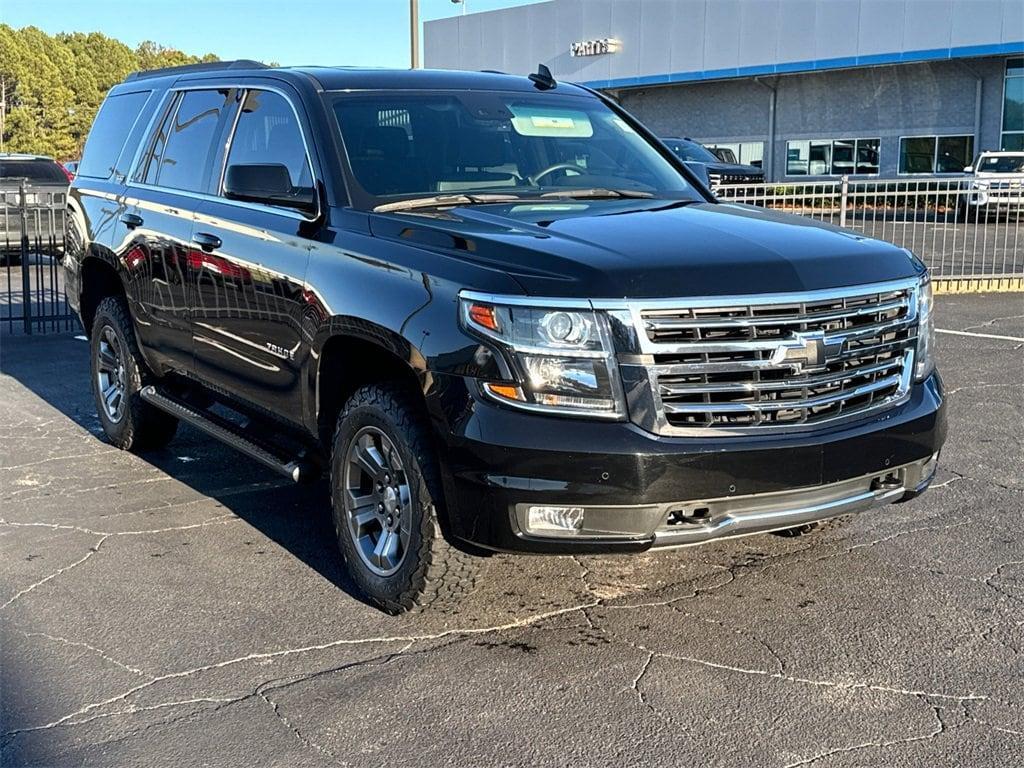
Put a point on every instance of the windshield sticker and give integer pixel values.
(623, 125)
(544, 121)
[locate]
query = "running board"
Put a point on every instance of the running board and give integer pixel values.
(296, 469)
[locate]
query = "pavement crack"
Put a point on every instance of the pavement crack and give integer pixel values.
(635, 685)
(841, 685)
(982, 385)
(737, 631)
(81, 644)
(218, 520)
(938, 730)
(22, 592)
(993, 321)
(898, 534)
(73, 718)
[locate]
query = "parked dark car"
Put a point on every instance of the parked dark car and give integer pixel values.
(495, 311)
(709, 167)
(46, 186)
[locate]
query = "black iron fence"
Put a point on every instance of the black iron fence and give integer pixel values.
(32, 295)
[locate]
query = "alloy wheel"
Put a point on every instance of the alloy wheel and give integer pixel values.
(377, 501)
(111, 377)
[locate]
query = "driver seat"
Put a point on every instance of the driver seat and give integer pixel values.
(480, 151)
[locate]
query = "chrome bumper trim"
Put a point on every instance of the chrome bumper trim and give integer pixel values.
(698, 521)
(762, 513)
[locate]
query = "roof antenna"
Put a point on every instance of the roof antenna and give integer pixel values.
(542, 79)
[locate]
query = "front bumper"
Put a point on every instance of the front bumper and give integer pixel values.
(631, 484)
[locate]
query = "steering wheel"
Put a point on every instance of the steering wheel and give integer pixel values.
(556, 167)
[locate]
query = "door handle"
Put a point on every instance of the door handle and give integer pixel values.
(206, 241)
(131, 220)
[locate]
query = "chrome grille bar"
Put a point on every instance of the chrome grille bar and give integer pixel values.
(771, 386)
(724, 365)
(785, 405)
(652, 321)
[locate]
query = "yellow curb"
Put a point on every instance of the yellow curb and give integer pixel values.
(978, 285)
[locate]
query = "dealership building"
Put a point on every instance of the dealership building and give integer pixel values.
(804, 88)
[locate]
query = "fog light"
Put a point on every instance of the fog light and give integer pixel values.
(555, 521)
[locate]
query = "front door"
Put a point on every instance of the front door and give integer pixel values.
(248, 297)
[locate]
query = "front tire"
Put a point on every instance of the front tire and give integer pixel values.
(118, 375)
(385, 492)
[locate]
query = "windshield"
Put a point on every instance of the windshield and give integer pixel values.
(1001, 164)
(691, 151)
(474, 144)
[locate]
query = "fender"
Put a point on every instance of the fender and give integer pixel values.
(395, 294)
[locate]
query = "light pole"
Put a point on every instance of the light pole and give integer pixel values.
(3, 111)
(414, 33)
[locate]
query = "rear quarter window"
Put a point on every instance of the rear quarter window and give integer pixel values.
(36, 171)
(109, 132)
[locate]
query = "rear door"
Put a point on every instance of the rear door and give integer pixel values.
(248, 298)
(154, 226)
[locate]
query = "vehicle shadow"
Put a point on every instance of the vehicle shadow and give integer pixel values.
(296, 517)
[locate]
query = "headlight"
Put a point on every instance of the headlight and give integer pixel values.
(924, 361)
(561, 357)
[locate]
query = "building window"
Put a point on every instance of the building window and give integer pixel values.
(935, 154)
(1013, 106)
(832, 157)
(742, 152)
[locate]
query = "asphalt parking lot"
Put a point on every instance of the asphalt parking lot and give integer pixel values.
(186, 608)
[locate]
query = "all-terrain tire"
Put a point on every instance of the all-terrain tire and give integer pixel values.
(432, 573)
(140, 425)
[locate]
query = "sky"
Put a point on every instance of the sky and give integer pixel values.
(294, 32)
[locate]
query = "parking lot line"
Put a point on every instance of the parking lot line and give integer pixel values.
(980, 335)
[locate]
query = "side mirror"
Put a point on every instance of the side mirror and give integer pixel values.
(269, 184)
(969, 169)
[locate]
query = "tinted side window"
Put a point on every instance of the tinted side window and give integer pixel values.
(109, 132)
(190, 141)
(268, 133)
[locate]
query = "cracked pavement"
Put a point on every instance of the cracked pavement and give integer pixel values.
(185, 607)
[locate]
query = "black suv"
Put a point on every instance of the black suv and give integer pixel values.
(495, 310)
(710, 168)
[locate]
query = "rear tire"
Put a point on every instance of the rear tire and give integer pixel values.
(118, 375)
(385, 492)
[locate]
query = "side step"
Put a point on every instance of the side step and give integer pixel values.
(296, 468)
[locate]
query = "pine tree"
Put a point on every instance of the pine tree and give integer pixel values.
(55, 84)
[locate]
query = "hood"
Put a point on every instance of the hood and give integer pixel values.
(735, 169)
(650, 248)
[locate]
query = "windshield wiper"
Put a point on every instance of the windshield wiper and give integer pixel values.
(437, 201)
(597, 192)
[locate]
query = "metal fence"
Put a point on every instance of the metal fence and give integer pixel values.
(961, 228)
(32, 296)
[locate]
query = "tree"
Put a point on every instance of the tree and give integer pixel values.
(55, 84)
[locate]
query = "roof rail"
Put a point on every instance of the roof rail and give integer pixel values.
(209, 66)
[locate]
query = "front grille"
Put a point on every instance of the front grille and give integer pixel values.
(780, 361)
(716, 179)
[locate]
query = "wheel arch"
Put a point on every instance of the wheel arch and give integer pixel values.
(357, 356)
(98, 279)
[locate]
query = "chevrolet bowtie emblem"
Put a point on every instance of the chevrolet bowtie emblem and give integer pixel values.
(807, 352)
